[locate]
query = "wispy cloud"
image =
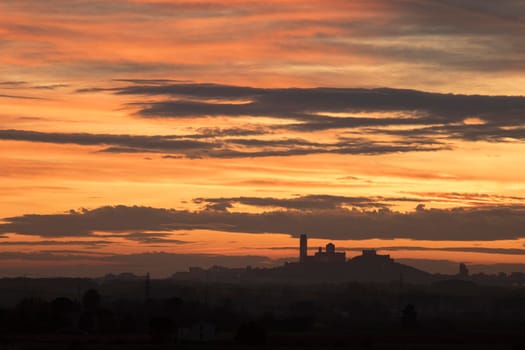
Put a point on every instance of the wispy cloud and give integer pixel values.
(311, 103)
(85, 243)
(418, 121)
(423, 42)
(421, 115)
(20, 97)
(309, 202)
(212, 147)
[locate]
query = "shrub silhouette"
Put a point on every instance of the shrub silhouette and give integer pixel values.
(251, 333)
(32, 315)
(409, 316)
(162, 329)
(91, 300)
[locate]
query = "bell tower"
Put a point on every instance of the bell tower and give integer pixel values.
(303, 249)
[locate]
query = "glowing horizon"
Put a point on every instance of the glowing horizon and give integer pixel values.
(230, 126)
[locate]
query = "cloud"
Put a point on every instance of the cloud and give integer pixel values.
(475, 198)
(19, 97)
(223, 132)
(165, 143)
(331, 202)
(50, 86)
(421, 114)
(148, 238)
(23, 85)
(46, 256)
(83, 223)
(100, 8)
(378, 120)
(150, 81)
(506, 132)
(461, 224)
(213, 146)
(309, 202)
(423, 121)
(95, 241)
(307, 103)
(335, 41)
(12, 84)
(462, 35)
(88, 243)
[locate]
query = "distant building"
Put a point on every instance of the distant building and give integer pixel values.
(303, 249)
(328, 256)
(326, 265)
(463, 270)
(370, 255)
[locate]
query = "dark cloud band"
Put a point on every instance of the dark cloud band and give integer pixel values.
(212, 146)
(461, 224)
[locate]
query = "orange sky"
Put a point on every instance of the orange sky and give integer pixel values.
(212, 108)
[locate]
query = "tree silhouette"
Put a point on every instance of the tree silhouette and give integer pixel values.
(91, 300)
(162, 329)
(251, 333)
(409, 316)
(62, 309)
(91, 304)
(32, 315)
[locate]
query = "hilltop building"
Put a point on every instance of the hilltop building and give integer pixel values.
(463, 270)
(303, 249)
(371, 256)
(326, 265)
(327, 256)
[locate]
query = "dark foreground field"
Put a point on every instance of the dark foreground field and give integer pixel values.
(122, 314)
(449, 341)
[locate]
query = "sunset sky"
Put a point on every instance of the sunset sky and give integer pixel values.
(155, 135)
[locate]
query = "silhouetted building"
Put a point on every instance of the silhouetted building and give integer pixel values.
(328, 256)
(327, 264)
(303, 249)
(370, 255)
(463, 270)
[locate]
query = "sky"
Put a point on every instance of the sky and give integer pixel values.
(155, 135)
